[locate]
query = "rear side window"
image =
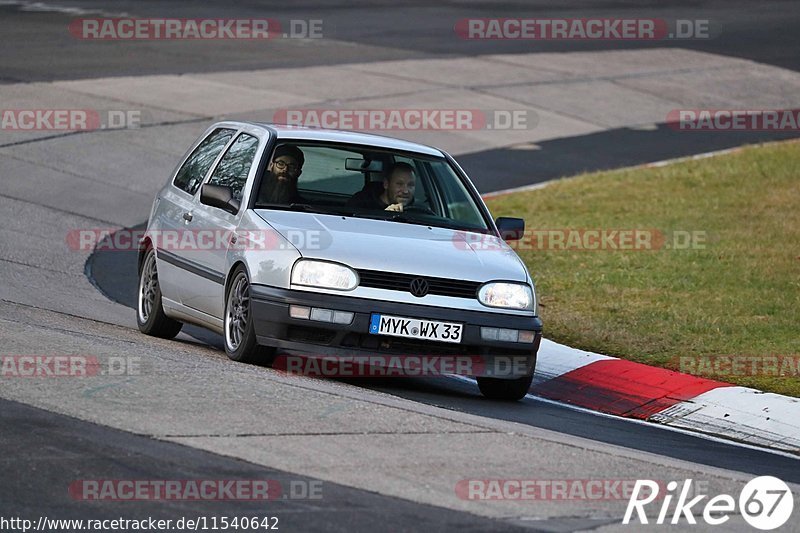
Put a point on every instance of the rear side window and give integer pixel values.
(234, 166)
(191, 174)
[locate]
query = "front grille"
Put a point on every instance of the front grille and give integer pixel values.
(402, 282)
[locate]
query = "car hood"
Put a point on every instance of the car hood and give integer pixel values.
(398, 247)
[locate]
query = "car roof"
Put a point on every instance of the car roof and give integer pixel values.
(300, 133)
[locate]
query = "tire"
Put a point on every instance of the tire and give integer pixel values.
(240, 335)
(150, 316)
(505, 389)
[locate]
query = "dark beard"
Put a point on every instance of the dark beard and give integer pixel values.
(275, 191)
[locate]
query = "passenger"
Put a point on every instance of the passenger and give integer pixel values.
(279, 185)
(397, 192)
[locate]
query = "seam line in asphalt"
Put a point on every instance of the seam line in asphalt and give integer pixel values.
(321, 434)
(75, 174)
(538, 109)
(612, 79)
(37, 267)
(65, 211)
(65, 330)
(589, 79)
(63, 313)
(101, 130)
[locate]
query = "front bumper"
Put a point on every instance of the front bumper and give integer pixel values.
(274, 327)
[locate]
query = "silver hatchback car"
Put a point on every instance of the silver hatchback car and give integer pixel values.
(337, 243)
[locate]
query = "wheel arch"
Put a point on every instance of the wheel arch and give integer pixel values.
(145, 245)
(229, 276)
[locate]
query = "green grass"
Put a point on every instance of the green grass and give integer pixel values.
(739, 294)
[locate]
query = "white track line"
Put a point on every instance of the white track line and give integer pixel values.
(646, 423)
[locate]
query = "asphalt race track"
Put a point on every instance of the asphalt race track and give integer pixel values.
(387, 453)
(765, 34)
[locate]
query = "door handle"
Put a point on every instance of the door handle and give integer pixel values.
(187, 217)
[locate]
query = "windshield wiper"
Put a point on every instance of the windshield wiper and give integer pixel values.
(396, 217)
(440, 222)
(285, 207)
(393, 217)
(306, 208)
(401, 217)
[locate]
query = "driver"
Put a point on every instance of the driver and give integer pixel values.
(279, 184)
(398, 191)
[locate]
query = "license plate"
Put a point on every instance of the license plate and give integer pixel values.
(415, 328)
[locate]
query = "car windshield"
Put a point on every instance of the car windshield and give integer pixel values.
(377, 184)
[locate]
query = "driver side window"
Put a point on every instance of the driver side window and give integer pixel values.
(192, 172)
(234, 166)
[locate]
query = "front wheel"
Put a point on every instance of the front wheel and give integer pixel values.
(505, 389)
(240, 335)
(150, 316)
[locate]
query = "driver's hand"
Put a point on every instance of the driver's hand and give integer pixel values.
(395, 207)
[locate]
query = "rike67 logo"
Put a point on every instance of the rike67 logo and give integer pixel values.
(765, 503)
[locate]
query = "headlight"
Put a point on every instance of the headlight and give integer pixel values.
(507, 295)
(324, 274)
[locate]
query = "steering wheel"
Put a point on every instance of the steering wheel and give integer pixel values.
(419, 209)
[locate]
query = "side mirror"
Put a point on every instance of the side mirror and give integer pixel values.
(219, 196)
(511, 229)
